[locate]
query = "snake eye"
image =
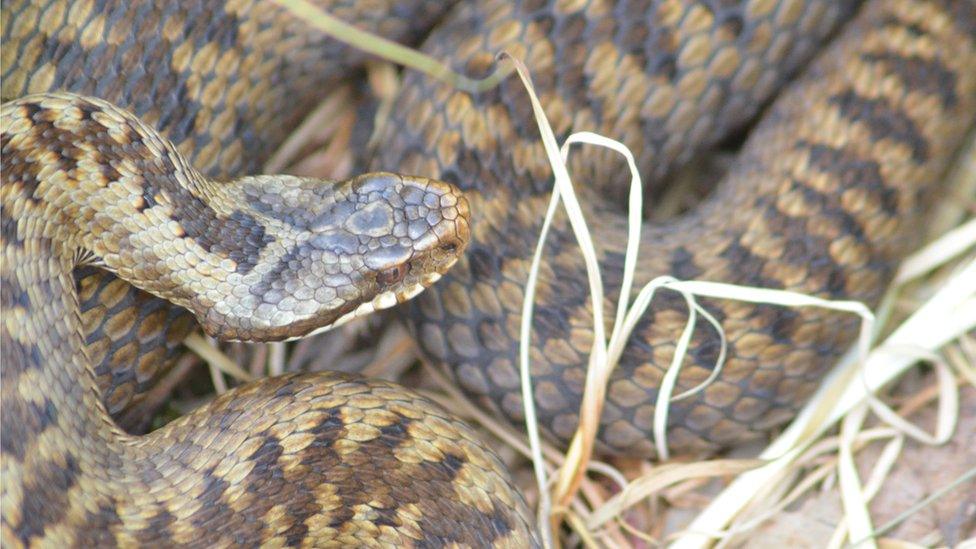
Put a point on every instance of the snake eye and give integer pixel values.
(393, 274)
(449, 248)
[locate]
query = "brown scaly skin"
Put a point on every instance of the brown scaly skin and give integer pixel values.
(302, 459)
(824, 199)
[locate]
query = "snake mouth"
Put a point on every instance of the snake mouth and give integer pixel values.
(382, 301)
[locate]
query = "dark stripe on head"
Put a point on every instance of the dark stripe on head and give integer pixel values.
(239, 237)
(300, 217)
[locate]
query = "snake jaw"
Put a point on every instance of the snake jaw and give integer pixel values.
(382, 301)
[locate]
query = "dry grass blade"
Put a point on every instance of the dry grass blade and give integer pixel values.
(276, 358)
(852, 494)
(948, 412)
(855, 496)
(662, 477)
(395, 353)
(531, 423)
(954, 243)
(217, 378)
(670, 379)
(599, 368)
(388, 49)
(690, 289)
(963, 362)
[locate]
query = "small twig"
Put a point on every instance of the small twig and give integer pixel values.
(276, 358)
(215, 357)
(259, 358)
(217, 377)
(396, 351)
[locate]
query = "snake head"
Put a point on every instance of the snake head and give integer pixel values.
(339, 251)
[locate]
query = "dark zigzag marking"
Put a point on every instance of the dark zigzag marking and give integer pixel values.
(99, 528)
(884, 121)
(850, 170)
(918, 73)
(46, 496)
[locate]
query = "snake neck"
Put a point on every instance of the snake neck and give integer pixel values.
(49, 394)
(41, 348)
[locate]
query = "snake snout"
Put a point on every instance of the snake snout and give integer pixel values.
(454, 233)
(438, 220)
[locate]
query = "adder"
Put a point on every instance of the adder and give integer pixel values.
(123, 115)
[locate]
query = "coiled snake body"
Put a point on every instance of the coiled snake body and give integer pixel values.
(822, 199)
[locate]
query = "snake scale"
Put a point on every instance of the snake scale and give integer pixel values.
(824, 198)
